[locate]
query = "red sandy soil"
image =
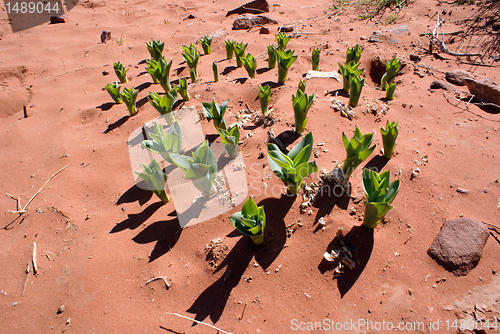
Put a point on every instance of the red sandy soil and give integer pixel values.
(100, 239)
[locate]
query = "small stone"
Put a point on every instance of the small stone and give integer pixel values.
(415, 57)
(436, 84)
(264, 31)
(373, 39)
(457, 77)
(105, 72)
(245, 22)
(261, 155)
(57, 18)
(484, 90)
(462, 190)
(486, 190)
(105, 36)
(124, 208)
(61, 309)
(362, 38)
(285, 29)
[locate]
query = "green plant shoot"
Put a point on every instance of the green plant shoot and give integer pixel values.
(357, 150)
(155, 179)
(160, 72)
(295, 166)
(285, 60)
(164, 143)
(215, 69)
(389, 91)
(214, 112)
(191, 56)
(230, 48)
(282, 40)
(389, 135)
(265, 98)
(301, 87)
(129, 97)
(272, 56)
(356, 87)
(250, 64)
(347, 71)
(250, 221)
(379, 193)
(200, 168)
(206, 43)
(164, 105)
(120, 72)
(392, 69)
(182, 89)
(354, 54)
(301, 104)
(315, 59)
(155, 49)
(230, 138)
(113, 90)
(239, 50)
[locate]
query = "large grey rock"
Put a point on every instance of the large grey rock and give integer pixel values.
(485, 90)
(459, 245)
(247, 21)
(457, 77)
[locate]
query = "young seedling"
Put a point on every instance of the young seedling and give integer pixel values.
(379, 193)
(265, 98)
(160, 72)
(191, 56)
(230, 48)
(356, 87)
(357, 150)
(206, 43)
(315, 59)
(301, 87)
(165, 143)
(200, 168)
(301, 104)
(230, 138)
(295, 166)
(347, 71)
(215, 69)
(164, 105)
(155, 179)
(389, 91)
(389, 135)
(120, 72)
(239, 50)
(272, 56)
(282, 40)
(251, 221)
(214, 112)
(182, 89)
(155, 49)
(250, 64)
(354, 54)
(113, 90)
(285, 60)
(129, 96)
(392, 68)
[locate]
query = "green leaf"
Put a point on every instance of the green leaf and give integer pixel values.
(305, 169)
(249, 208)
(307, 141)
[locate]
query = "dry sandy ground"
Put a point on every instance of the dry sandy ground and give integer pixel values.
(100, 239)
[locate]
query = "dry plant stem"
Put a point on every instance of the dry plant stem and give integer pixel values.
(35, 267)
(27, 278)
(23, 210)
(167, 285)
(496, 227)
(243, 312)
(199, 322)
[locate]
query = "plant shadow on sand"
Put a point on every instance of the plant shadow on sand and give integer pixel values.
(212, 301)
(361, 239)
(328, 196)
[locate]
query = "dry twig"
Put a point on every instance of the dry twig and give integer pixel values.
(167, 285)
(35, 267)
(200, 322)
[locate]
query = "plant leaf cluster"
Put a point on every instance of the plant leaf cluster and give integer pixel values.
(216, 113)
(251, 221)
(379, 193)
(357, 150)
(164, 143)
(155, 179)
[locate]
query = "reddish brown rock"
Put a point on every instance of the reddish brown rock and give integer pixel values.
(57, 18)
(457, 77)
(485, 90)
(248, 21)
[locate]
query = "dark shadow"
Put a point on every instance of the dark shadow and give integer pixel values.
(193, 212)
(142, 62)
(211, 137)
(142, 73)
(272, 84)
(117, 124)
(179, 70)
(377, 163)
(489, 109)
(338, 92)
(143, 86)
(250, 127)
(166, 233)
(241, 80)
(223, 161)
(228, 69)
(135, 220)
(141, 102)
(137, 192)
(263, 70)
(178, 104)
(329, 195)
(288, 137)
(106, 106)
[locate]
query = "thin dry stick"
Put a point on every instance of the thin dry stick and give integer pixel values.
(243, 312)
(167, 285)
(23, 210)
(35, 267)
(494, 226)
(200, 322)
(27, 277)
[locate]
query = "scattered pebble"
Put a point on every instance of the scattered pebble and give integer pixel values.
(61, 309)
(462, 190)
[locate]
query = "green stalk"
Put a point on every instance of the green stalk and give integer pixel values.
(215, 69)
(120, 72)
(389, 91)
(354, 54)
(285, 60)
(301, 105)
(250, 64)
(356, 87)
(392, 69)
(315, 59)
(206, 43)
(129, 97)
(347, 71)
(389, 135)
(271, 52)
(282, 40)
(113, 90)
(182, 89)
(229, 49)
(239, 50)
(265, 98)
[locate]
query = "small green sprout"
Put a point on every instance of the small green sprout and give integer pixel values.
(282, 40)
(113, 90)
(356, 87)
(191, 56)
(230, 48)
(155, 49)
(239, 50)
(206, 43)
(379, 193)
(182, 89)
(354, 54)
(214, 112)
(389, 91)
(392, 69)
(129, 96)
(155, 179)
(315, 59)
(160, 72)
(389, 135)
(272, 56)
(250, 64)
(251, 221)
(164, 105)
(295, 166)
(265, 98)
(120, 72)
(230, 138)
(301, 104)
(165, 143)
(215, 69)
(357, 150)
(285, 60)
(347, 71)
(301, 87)
(200, 168)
